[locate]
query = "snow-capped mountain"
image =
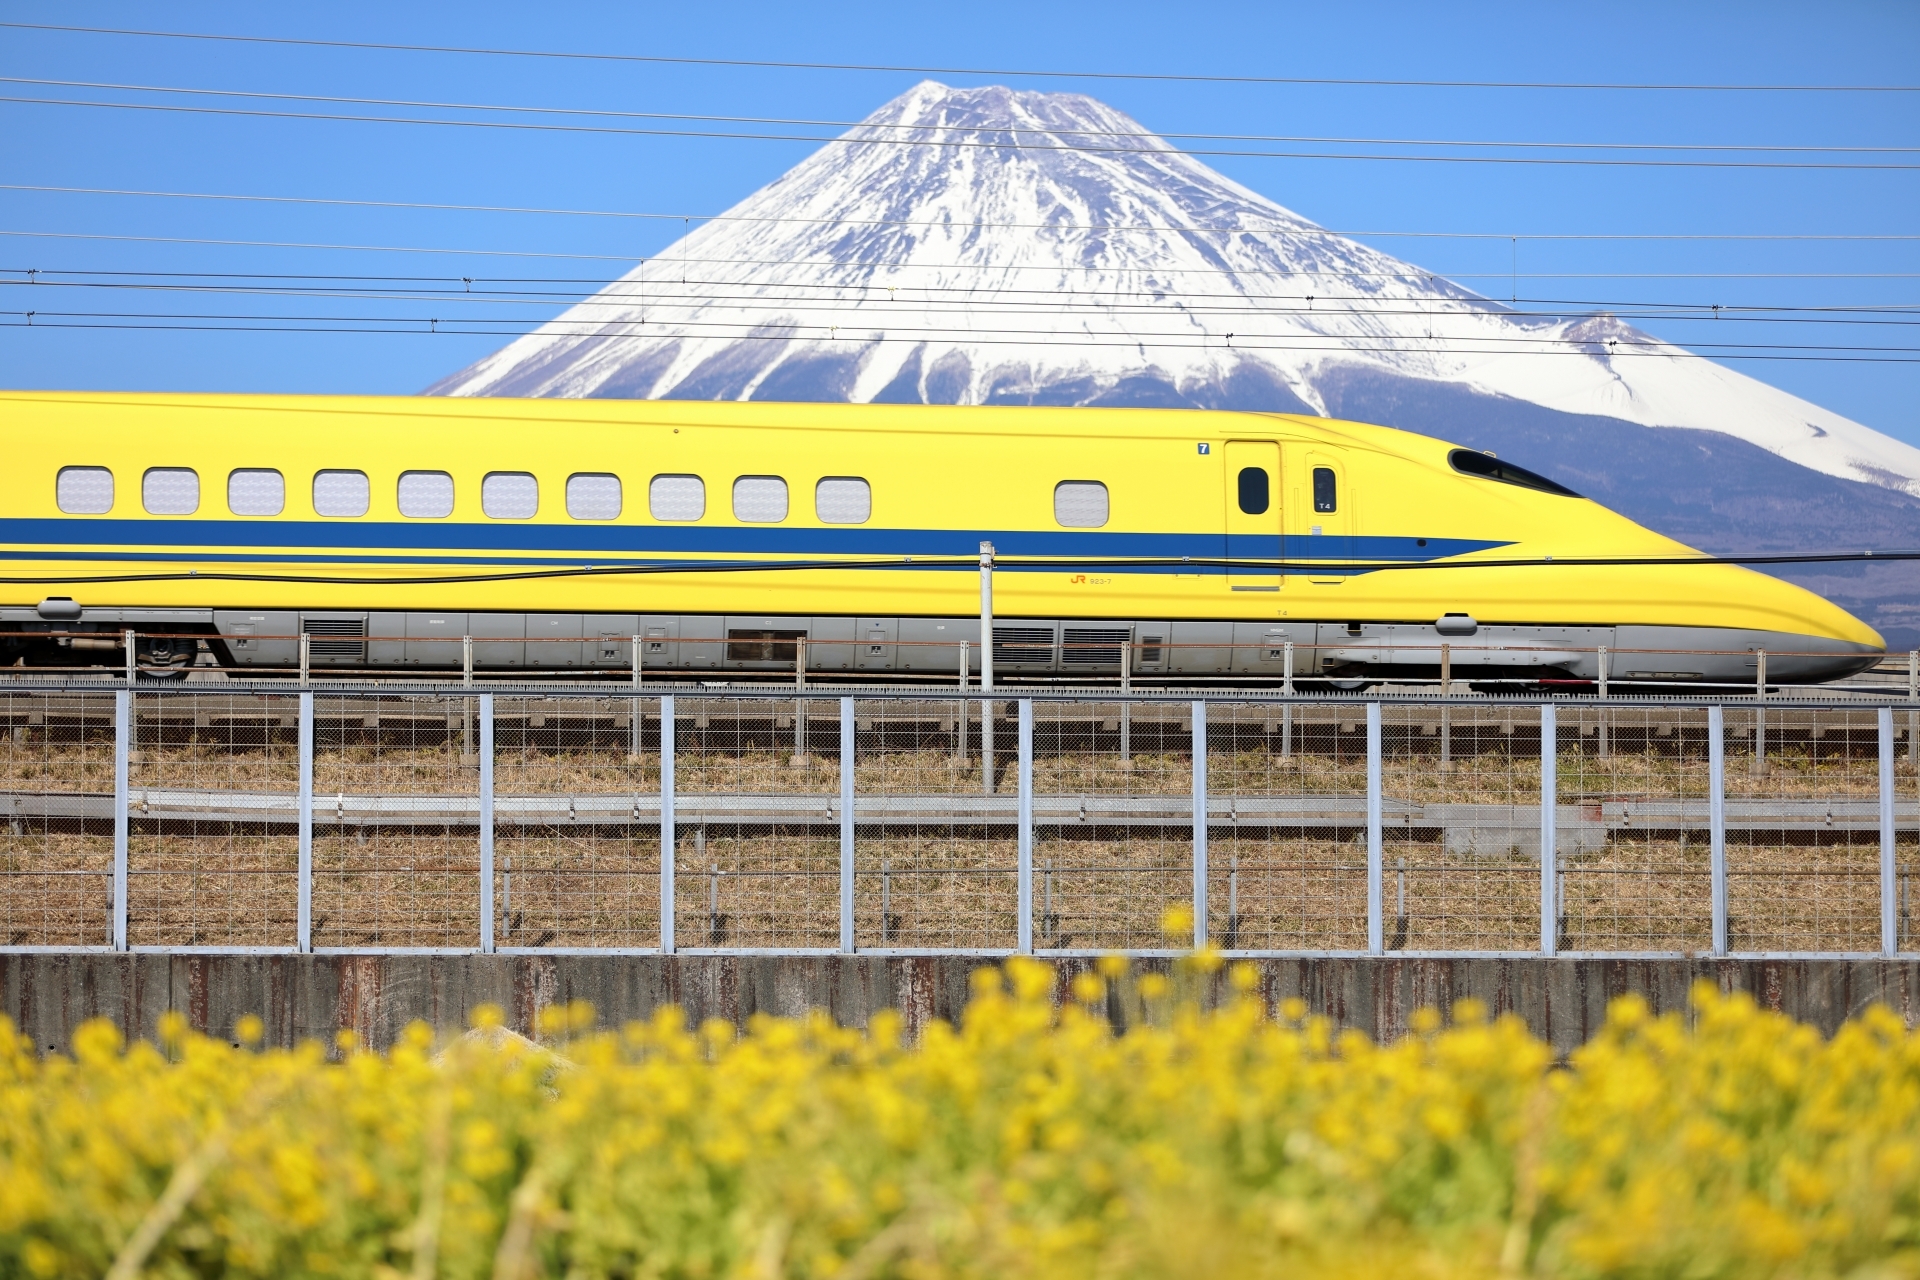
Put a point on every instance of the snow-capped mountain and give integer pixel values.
(1005, 268)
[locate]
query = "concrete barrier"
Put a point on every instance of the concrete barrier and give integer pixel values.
(48, 994)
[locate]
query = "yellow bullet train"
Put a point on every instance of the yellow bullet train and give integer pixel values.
(1187, 544)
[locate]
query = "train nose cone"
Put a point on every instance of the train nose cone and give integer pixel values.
(1813, 659)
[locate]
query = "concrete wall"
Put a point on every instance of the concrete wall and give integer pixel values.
(303, 997)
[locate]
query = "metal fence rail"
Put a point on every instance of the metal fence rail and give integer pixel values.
(684, 817)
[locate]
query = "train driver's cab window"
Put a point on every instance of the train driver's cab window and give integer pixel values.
(1326, 497)
(843, 500)
(593, 495)
(1255, 491)
(426, 495)
(84, 491)
(340, 495)
(509, 495)
(170, 491)
(672, 497)
(1080, 504)
(256, 491)
(760, 499)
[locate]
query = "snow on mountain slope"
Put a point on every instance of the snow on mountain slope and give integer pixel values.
(987, 272)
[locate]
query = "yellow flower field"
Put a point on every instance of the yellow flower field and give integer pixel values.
(1029, 1141)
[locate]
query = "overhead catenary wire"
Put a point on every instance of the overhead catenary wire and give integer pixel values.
(909, 69)
(1002, 269)
(524, 126)
(1013, 131)
(1291, 226)
(983, 300)
(758, 331)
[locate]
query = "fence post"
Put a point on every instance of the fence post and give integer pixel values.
(1446, 711)
(1126, 702)
(133, 663)
(799, 700)
(486, 824)
(1759, 764)
(962, 713)
(847, 745)
(122, 749)
(636, 721)
(986, 617)
(1549, 833)
(666, 824)
(986, 744)
(1889, 919)
(1286, 690)
(1199, 738)
(1376, 935)
(1605, 747)
(1717, 822)
(1025, 769)
(303, 925)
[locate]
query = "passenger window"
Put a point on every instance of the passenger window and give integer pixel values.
(1324, 496)
(843, 500)
(509, 495)
(84, 491)
(1080, 504)
(256, 491)
(170, 491)
(1254, 497)
(593, 495)
(340, 494)
(760, 499)
(426, 495)
(677, 497)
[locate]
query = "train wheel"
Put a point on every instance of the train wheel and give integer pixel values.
(165, 657)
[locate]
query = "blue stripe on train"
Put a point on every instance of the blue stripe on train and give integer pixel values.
(257, 536)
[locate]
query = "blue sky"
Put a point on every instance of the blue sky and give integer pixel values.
(1732, 43)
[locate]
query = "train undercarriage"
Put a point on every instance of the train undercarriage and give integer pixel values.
(1347, 655)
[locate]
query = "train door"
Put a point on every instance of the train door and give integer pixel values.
(1253, 513)
(1328, 515)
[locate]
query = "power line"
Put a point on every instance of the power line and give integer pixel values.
(900, 69)
(972, 299)
(1156, 271)
(299, 244)
(1726, 311)
(1011, 130)
(1295, 227)
(824, 140)
(758, 331)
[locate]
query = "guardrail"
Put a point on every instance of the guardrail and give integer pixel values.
(571, 817)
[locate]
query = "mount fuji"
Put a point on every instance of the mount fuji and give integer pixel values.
(1043, 248)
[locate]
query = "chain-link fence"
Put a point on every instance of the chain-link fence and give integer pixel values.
(1803, 839)
(562, 817)
(576, 822)
(396, 849)
(212, 780)
(1635, 822)
(57, 768)
(757, 851)
(936, 859)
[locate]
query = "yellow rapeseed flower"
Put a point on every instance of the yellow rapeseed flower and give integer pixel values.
(1031, 1138)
